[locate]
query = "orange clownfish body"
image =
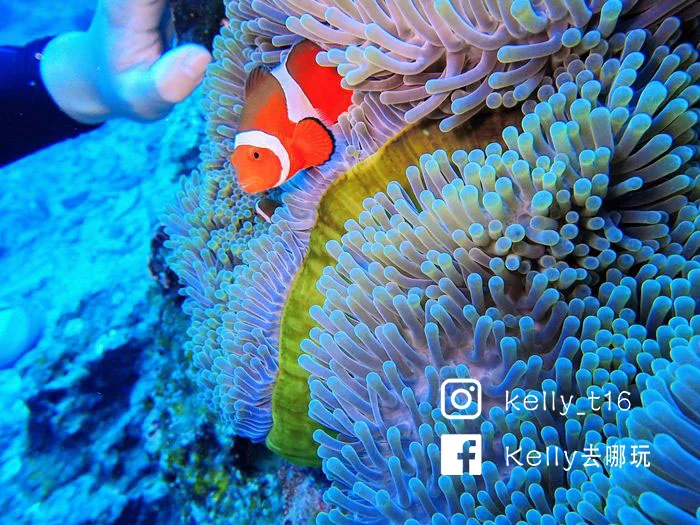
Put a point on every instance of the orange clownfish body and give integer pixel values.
(285, 119)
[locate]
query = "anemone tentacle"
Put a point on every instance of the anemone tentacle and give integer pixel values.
(409, 60)
(382, 348)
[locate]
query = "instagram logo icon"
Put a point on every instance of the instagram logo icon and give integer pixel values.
(460, 453)
(460, 398)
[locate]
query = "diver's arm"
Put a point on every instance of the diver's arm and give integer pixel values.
(29, 117)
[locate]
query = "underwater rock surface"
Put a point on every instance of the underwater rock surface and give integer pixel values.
(74, 453)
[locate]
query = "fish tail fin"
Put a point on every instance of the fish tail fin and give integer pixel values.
(313, 141)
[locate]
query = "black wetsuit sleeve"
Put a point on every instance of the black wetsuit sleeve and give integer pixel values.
(29, 118)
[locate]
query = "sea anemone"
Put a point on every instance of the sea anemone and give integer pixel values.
(209, 227)
(554, 261)
(385, 341)
(443, 59)
(669, 421)
(462, 275)
(663, 490)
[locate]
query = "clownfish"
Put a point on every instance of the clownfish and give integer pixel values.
(284, 126)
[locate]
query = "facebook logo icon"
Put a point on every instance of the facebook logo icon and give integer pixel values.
(460, 453)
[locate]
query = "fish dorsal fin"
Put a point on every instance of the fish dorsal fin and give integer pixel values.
(255, 78)
(302, 55)
(314, 142)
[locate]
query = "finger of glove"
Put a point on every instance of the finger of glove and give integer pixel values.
(150, 94)
(179, 71)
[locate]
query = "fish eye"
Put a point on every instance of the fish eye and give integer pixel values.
(256, 155)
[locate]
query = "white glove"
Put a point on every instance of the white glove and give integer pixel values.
(117, 67)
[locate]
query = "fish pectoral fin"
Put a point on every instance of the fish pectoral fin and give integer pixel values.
(313, 141)
(255, 78)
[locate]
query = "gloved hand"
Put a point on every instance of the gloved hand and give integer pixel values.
(120, 66)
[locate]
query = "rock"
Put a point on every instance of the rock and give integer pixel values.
(20, 327)
(159, 269)
(93, 411)
(13, 425)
